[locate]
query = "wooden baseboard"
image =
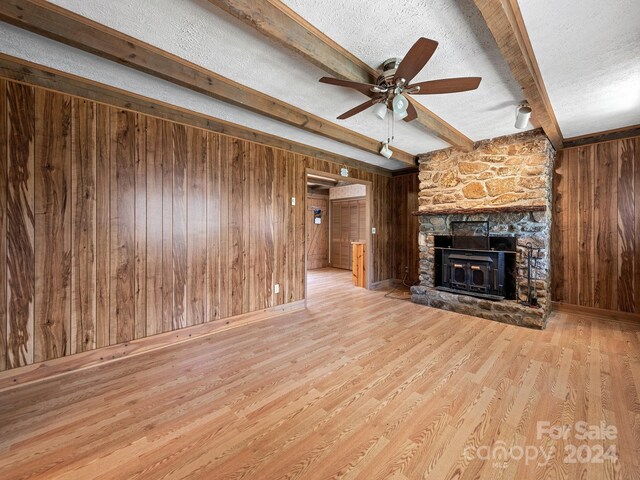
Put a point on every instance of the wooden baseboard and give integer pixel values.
(597, 312)
(37, 372)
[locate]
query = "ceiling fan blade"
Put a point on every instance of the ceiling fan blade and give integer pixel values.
(416, 58)
(412, 114)
(446, 85)
(359, 108)
(361, 87)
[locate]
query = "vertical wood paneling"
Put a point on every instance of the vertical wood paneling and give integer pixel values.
(587, 218)
(317, 234)
(293, 219)
(570, 230)
(290, 224)
(123, 202)
(605, 218)
(154, 158)
(636, 190)
(245, 232)
(197, 225)
(381, 221)
(348, 224)
(626, 225)
(20, 263)
(3, 224)
(236, 224)
(103, 226)
(405, 227)
(53, 225)
(559, 245)
(278, 207)
(167, 227)
(180, 314)
(83, 242)
(213, 227)
(140, 229)
(154, 225)
(300, 240)
(607, 227)
(378, 216)
(255, 263)
(226, 150)
(267, 221)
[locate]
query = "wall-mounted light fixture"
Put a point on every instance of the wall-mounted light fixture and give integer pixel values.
(523, 114)
(385, 151)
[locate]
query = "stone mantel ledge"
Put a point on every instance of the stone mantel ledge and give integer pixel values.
(481, 210)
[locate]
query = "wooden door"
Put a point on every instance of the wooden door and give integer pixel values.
(348, 224)
(317, 234)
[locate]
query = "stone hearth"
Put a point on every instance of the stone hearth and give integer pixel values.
(507, 182)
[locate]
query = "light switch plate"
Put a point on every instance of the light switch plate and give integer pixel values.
(373, 230)
(276, 288)
(293, 200)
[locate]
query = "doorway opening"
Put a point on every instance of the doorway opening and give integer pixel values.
(338, 215)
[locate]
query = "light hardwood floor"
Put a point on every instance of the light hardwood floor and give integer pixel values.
(358, 386)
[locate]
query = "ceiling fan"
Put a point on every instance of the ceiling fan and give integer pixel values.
(393, 86)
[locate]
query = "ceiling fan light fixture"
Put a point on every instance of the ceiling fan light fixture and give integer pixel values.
(401, 115)
(385, 151)
(393, 85)
(380, 110)
(400, 104)
(523, 114)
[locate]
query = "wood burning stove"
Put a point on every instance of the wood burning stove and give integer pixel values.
(474, 271)
(473, 264)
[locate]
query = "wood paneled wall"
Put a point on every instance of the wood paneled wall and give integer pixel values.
(596, 236)
(115, 225)
(317, 234)
(348, 224)
(405, 253)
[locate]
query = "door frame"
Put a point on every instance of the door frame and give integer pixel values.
(368, 215)
(331, 206)
(325, 216)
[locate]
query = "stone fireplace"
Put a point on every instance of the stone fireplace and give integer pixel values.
(501, 193)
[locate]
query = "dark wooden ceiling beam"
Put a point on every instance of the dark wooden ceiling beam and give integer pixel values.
(281, 24)
(504, 19)
(62, 25)
(32, 74)
(605, 136)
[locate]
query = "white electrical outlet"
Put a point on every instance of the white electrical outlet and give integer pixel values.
(373, 230)
(293, 200)
(276, 288)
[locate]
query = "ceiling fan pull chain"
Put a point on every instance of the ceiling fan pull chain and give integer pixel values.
(393, 121)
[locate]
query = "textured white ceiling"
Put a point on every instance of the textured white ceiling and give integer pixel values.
(202, 33)
(37, 49)
(588, 52)
(378, 29)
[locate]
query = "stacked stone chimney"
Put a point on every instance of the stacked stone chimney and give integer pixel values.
(506, 181)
